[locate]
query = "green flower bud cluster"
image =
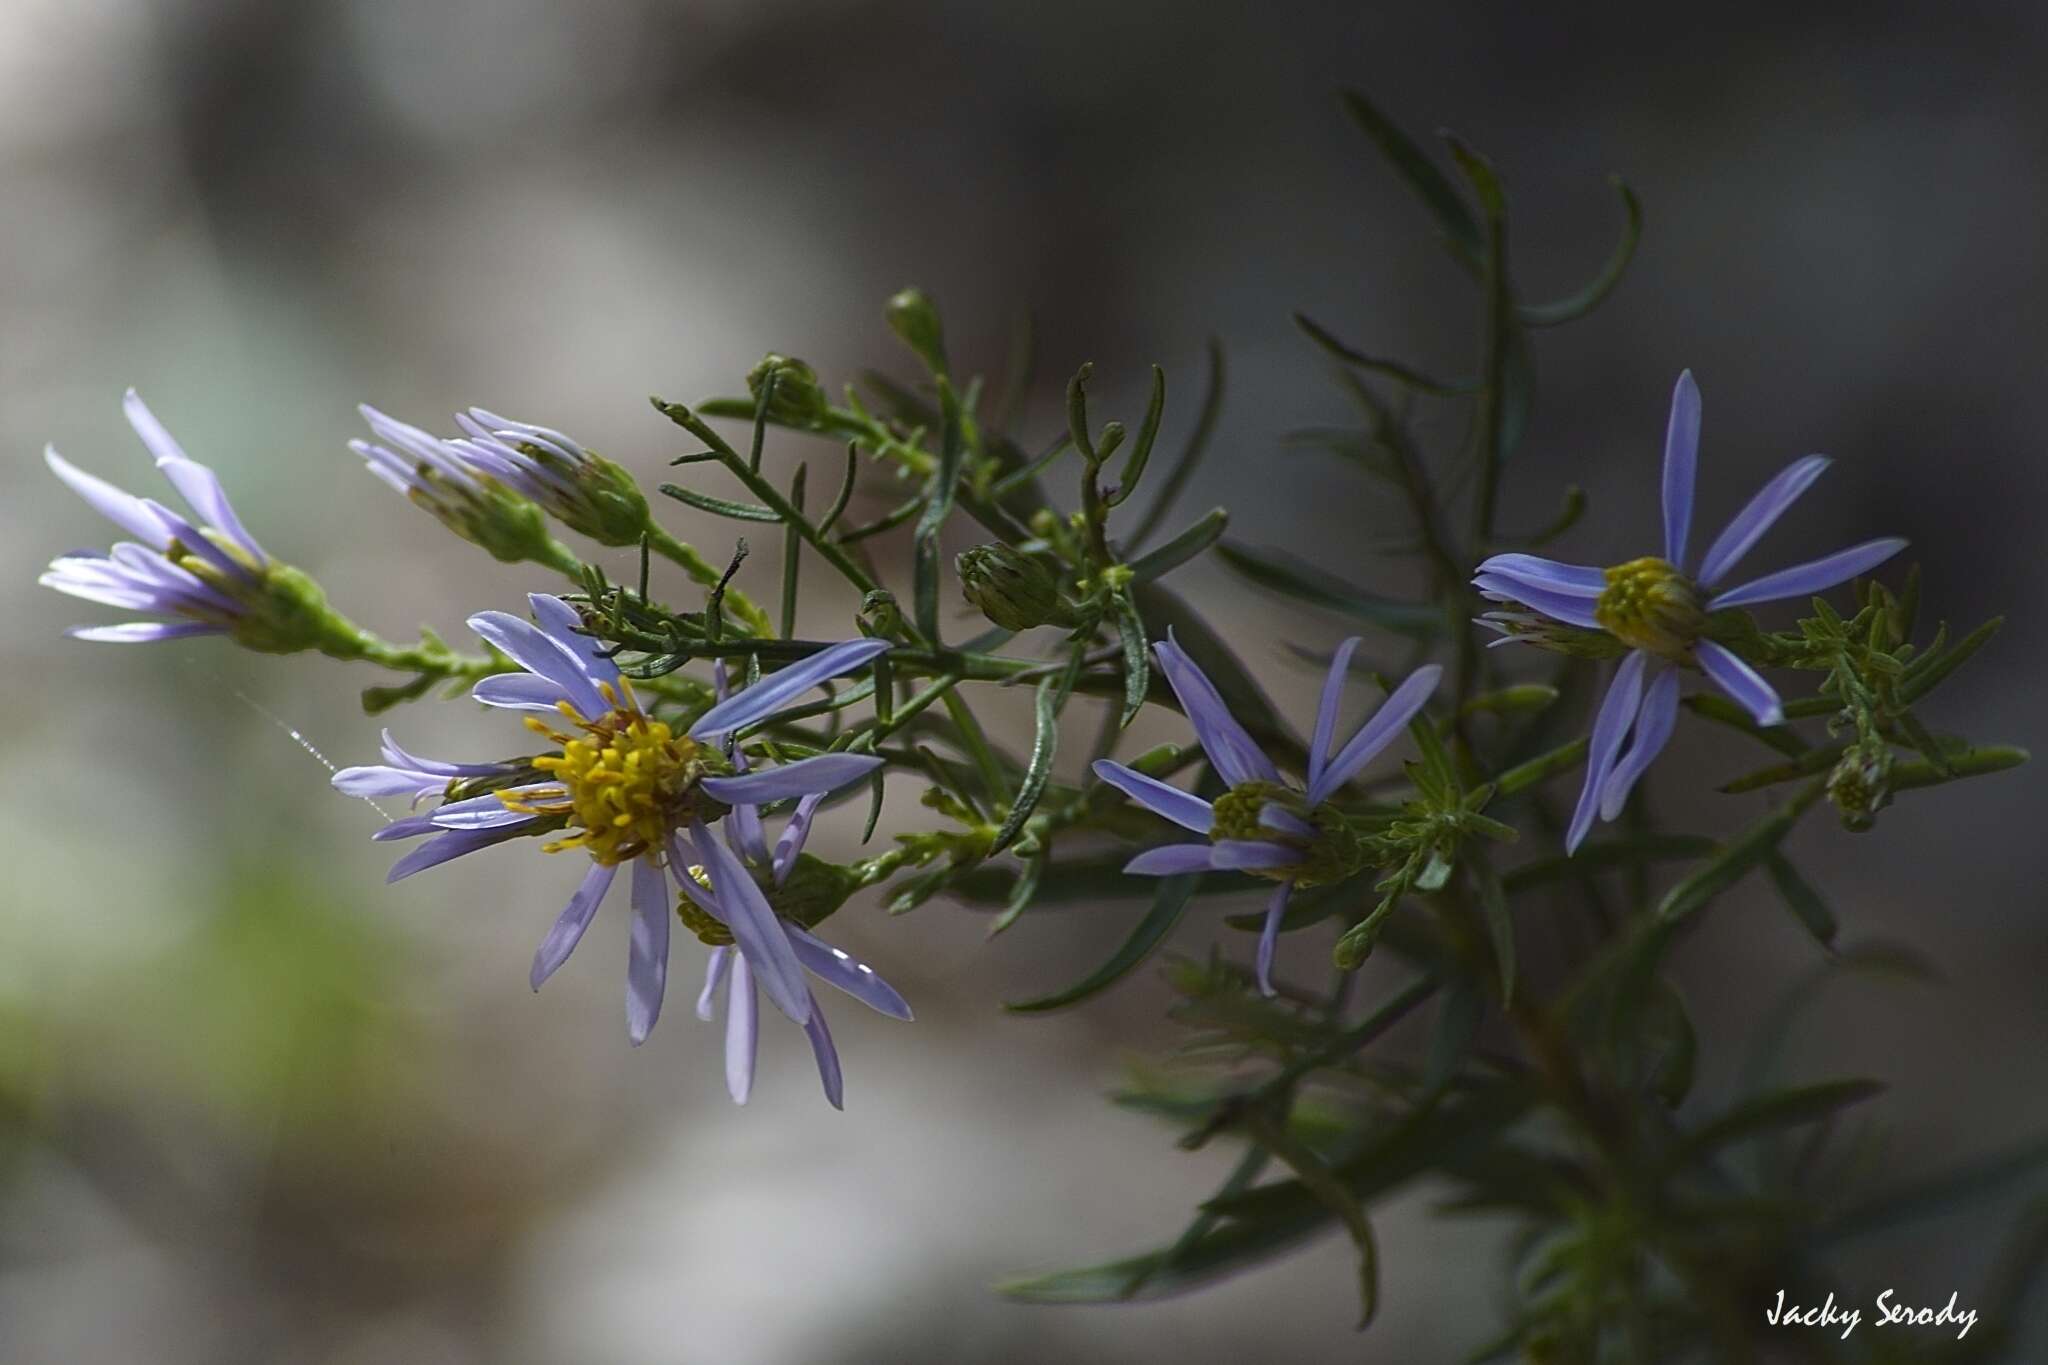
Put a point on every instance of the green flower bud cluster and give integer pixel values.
(1012, 589)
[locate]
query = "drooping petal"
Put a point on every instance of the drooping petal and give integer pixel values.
(444, 847)
(784, 686)
(568, 929)
(1170, 860)
(1253, 853)
(1551, 575)
(715, 968)
(819, 773)
(1572, 610)
(1237, 758)
(1390, 720)
(1741, 682)
(1654, 723)
(1753, 520)
(377, 779)
(742, 1026)
(560, 622)
(533, 650)
(1169, 802)
(791, 844)
(837, 967)
(400, 757)
(827, 1057)
(647, 960)
(1269, 936)
(1617, 713)
(521, 692)
(1815, 576)
(755, 928)
(143, 632)
(1326, 709)
(1681, 466)
(196, 484)
(125, 510)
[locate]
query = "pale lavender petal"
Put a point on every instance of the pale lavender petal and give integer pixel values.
(1816, 576)
(407, 827)
(125, 510)
(1681, 464)
(754, 927)
(1168, 802)
(568, 929)
(827, 1055)
(127, 596)
(742, 1022)
(791, 844)
(743, 830)
(196, 484)
(647, 960)
(443, 847)
(1281, 820)
(679, 859)
(563, 625)
(1236, 757)
(144, 632)
(1740, 682)
(422, 446)
(399, 757)
(533, 650)
(1326, 709)
(1752, 521)
(195, 540)
(521, 692)
(1654, 723)
(1573, 611)
(1393, 716)
(715, 968)
(836, 967)
(147, 565)
(487, 811)
(379, 780)
(1170, 860)
(1572, 580)
(784, 686)
(1269, 937)
(1253, 854)
(1617, 713)
(820, 773)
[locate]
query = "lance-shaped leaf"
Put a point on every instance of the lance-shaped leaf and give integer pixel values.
(1235, 1246)
(1432, 186)
(1770, 1112)
(1196, 538)
(724, 507)
(1169, 903)
(1141, 449)
(938, 506)
(1279, 572)
(1927, 672)
(1801, 899)
(1727, 867)
(1130, 634)
(1190, 455)
(1379, 365)
(1052, 692)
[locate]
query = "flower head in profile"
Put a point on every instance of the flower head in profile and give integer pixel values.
(1656, 608)
(581, 489)
(434, 474)
(210, 577)
(744, 880)
(1264, 825)
(618, 784)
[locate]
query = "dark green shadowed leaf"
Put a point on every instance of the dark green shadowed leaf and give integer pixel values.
(1601, 285)
(1130, 634)
(1191, 542)
(1279, 572)
(1727, 867)
(1141, 450)
(1190, 455)
(1779, 1109)
(704, 502)
(1432, 186)
(1234, 1246)
(1051, 692)
(1388, 369)
(1168, 905)
(1801, 899)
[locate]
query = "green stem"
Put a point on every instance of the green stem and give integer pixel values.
(706, 574)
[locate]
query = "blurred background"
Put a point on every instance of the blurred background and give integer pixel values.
(255, 1107)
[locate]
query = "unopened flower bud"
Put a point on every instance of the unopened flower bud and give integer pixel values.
(1860, 784)
(1012, 589)
(913, 317)
(798, 399)
(880, 616)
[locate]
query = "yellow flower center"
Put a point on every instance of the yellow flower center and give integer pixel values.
(1336, 851)
(627, 780)
(1649, 604)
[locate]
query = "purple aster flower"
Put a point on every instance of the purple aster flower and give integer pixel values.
(435, 474)
(1263, 825)
(623, 786)
(1658, 606)
(745, 881)
(208, 577)
(581, 489)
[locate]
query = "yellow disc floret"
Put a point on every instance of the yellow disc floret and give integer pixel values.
(1648, 604)
(627, 780)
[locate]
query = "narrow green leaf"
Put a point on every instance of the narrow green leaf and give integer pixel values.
(1461, 232)
(1767, 1113)
(792, 554)
(704, 502)
(938, 506)
(1602, 855)
(1522, 699)
(1141, 449)
(845, 496)
(1235, 1246)
(1712, 706)
(1039, 770)
(1801, 899)
(1319, 1180)
(1379, 365)
(1130, 632)
(1991, 758)
(1169, 903)
(1500, 923)
(1198, 537)
(1543, 766)
(1930, 669)
(1021, 893)
(1458, 1016)
(1280, 572)
(1601, 285)
(1190, 453)
(1748, 849)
